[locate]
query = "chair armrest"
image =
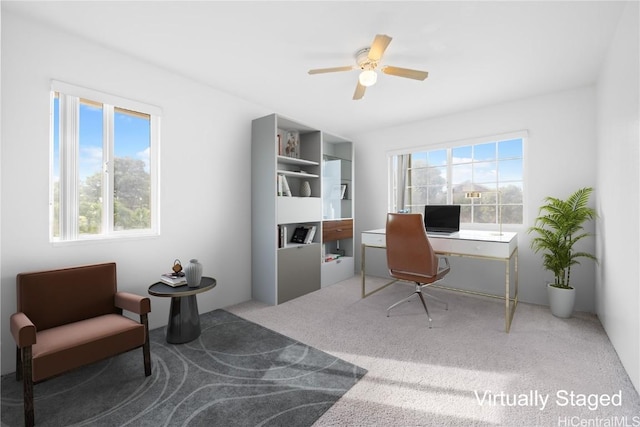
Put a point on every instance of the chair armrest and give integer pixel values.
(133, 303)
(23, 330)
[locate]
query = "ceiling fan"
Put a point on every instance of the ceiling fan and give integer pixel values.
(368, 60)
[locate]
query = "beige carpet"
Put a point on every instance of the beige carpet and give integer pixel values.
(464, 371)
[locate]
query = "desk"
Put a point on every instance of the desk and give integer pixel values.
(184, 318)
(465, 243)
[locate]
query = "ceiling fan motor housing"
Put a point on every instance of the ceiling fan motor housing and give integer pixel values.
(363, 61)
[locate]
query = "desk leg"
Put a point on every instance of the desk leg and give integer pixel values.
(507, 296)
(362, 268)
(515, 271)
(362, 274)
(184, 320)
(509, 310)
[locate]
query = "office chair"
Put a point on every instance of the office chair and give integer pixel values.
(410, 256)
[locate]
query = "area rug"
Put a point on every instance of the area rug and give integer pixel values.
(237, 373)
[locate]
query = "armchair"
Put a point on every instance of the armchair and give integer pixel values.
(71, 317)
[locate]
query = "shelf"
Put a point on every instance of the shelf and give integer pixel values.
(330, 157)
(290, 245)
(297, 174)
(296, 161)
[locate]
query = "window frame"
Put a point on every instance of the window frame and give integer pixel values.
(70, 98)
(449, 146)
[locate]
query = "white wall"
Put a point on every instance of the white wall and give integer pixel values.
(559, 158)
(617, 285)
(205, 175)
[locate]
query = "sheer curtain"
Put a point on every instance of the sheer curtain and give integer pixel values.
(400, 167)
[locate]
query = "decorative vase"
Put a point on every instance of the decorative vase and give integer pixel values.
(193, 273)
(561, 301)
(305, 189)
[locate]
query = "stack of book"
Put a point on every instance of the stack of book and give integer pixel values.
(282, 236)
(174, 279)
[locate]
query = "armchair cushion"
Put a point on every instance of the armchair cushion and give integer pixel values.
(65, 347)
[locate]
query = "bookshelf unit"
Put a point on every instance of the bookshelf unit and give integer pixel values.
(287, 192)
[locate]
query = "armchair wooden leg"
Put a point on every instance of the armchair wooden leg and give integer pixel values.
(18, 364)
(146, 348)
(27, 386)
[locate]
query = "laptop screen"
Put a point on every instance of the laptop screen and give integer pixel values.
(442, 218)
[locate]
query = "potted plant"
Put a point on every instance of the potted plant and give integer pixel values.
(558, 228)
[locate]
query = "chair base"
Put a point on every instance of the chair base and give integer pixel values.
(420, 293)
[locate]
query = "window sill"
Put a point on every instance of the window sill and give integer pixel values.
(106, 239)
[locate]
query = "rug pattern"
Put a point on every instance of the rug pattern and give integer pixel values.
(237, 373)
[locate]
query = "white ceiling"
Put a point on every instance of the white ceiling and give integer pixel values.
(477, 53)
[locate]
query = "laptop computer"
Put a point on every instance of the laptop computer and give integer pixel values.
(442, 219)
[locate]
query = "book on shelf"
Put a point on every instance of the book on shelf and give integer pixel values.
(173, 279)
(299, 235)
(311, 232)
(283, 186)
(304, 234)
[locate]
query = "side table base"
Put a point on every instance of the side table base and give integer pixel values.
(184, 320)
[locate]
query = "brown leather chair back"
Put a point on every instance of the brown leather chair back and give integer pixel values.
(409, 253)
(57, 297)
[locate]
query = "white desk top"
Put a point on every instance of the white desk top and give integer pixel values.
(465, 242)
(478, 235)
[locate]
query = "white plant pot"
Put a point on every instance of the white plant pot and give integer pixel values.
(561, 301)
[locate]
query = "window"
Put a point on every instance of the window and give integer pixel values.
(492, 166)
(104, 165)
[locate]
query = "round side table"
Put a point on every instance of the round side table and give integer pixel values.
(184, 318)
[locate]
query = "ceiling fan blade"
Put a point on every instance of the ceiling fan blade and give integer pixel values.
(378, 47)
(331, 70)
(405, 72)
(359, 93)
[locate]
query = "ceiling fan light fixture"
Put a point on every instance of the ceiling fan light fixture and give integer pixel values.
(368, 78)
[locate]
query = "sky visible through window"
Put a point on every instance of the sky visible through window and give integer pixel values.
(481, 163)
(478, 163)
(132, 136)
